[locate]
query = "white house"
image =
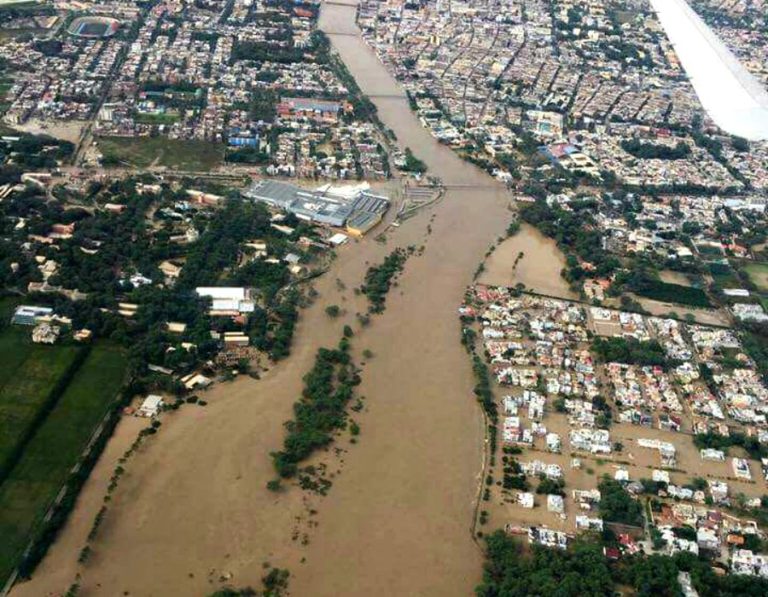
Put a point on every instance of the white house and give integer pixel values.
(151, 406)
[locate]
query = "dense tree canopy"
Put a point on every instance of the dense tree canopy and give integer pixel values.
(580, 571)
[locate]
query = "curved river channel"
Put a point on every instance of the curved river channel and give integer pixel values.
(192, 512)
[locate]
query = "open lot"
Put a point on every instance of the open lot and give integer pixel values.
(703, 316)
(143, 152)
(48, 458)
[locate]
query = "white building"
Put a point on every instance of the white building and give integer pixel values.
(228, 300)
(151, 406)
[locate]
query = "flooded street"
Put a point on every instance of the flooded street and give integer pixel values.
(192, 512)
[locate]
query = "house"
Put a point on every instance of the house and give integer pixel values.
(718, 490)
(338, 239)
(127, 309)
(621, 475)
(744, 561)
(45, 334)
(547, 537)
(83, 335)
(525, 499)
(741, 469)
(554, 444)
(171, 271)
(195, 380)
(712, 454)
(236, 339)
(707, 539)
(555, 503)
(612, 553)
(204, 198)
(585, 523)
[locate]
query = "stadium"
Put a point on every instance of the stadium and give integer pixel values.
(93, 27)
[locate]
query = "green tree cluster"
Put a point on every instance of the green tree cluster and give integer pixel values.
(616, 505)
(650, 151)
(321, 411)
(630, 351)
(510, 572)
(378, 279)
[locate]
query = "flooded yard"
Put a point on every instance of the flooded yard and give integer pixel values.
(528, 258)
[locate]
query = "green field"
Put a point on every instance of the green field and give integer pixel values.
(28, 375)
(758, 273)
(53, 450)
(142, 152)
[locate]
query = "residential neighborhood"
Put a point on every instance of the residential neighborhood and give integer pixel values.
(569, 419)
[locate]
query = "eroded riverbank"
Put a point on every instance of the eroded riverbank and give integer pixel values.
(192, 512)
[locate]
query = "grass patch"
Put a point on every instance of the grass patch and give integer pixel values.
(758, 273)
(142, 152)
(48, 458)
(723, 275)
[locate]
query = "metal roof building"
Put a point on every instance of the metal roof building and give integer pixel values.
(321, 206)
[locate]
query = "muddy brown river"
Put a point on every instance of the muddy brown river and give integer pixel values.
(192, 513)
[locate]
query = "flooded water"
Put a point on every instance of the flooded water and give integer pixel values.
(528, 258)
(192, 512)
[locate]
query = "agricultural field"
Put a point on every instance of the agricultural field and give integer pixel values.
(144, 152)
(55, 447)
